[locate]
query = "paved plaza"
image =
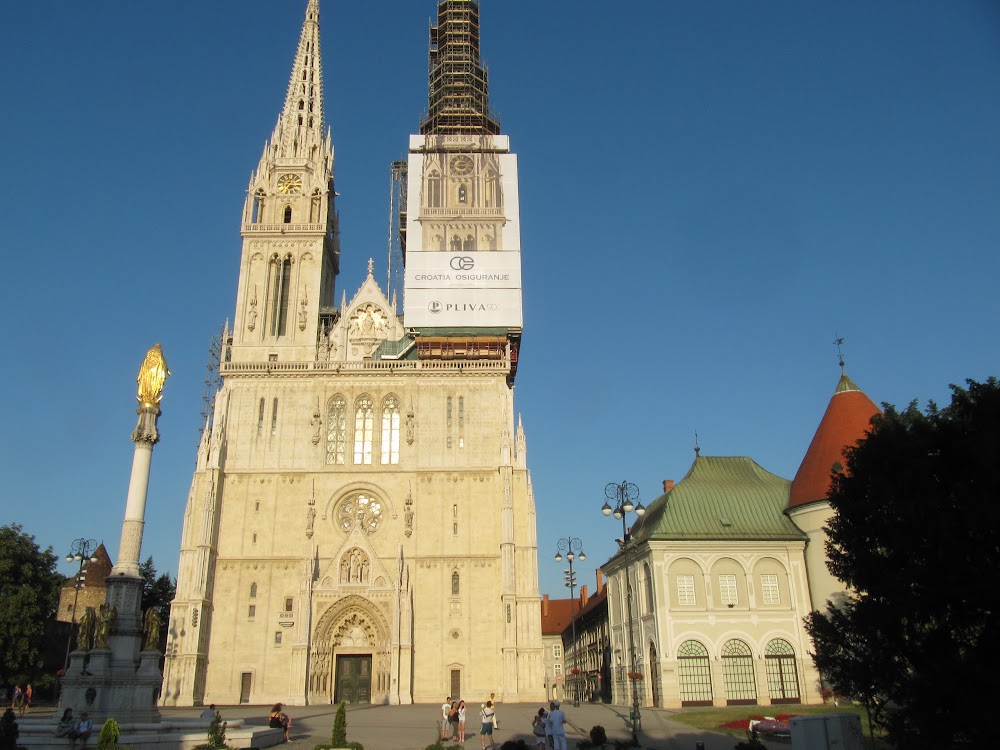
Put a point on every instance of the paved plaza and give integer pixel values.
(414, 727)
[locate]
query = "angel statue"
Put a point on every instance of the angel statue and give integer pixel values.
(85, 629)
(151, 627)
(152, 374)
(105, 622)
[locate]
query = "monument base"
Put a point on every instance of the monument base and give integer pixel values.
(175, 734)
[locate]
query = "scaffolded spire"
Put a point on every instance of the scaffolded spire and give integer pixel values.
(458, 100)
(300, 125)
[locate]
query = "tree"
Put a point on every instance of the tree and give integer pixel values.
(157, 591)
(29, 595)
(916, 537)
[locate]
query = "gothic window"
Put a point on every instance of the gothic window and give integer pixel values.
(289, 603)
(434, 190)
(274, 417)
(302, 104)
(364, 417)
(257, 212)
(359, 509)
(281, 278)
(470, 243)
(454, 520)
(288, 209)
(492, 190)
(454, 583)
(461, 421)
(336, 435)
(448, 421)
(456, 243)
(260, 418)
(314, 207)
(253, 590)
(390, 430)
(463, 194)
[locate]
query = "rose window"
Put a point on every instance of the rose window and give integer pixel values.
(360, 510)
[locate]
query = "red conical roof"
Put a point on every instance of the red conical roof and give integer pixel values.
(847, 420)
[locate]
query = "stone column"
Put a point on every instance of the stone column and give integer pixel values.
(145, 436)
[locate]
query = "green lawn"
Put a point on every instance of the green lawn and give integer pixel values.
(712, 718)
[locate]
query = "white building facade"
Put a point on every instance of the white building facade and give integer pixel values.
(361, 524)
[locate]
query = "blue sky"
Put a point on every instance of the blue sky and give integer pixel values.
(710, 192)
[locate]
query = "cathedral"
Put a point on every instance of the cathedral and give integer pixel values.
(360, 525)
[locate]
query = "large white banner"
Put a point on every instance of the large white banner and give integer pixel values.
(471, 270)
(451, 308)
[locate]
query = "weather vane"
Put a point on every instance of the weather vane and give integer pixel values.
(838, 342)
(697, 448)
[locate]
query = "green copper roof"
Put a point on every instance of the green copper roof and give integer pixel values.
(846, 384)
(721, 497)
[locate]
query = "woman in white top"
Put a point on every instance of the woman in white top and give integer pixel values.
(461, 721)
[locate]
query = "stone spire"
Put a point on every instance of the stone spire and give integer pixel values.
(300, 125)
(458, 88)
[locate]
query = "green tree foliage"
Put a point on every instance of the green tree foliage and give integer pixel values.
(109, 736)
(217, 731)
(157, 590)
(339, 736)
(29, 595)
(916, 537)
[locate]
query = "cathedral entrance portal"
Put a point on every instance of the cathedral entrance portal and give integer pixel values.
(350, 653)
(354, 679)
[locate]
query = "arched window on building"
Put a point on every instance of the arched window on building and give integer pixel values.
(364, 418)
(649, 588)
(463, 194)
(336, 431)
(434, 189)
(253, 590)
(257, 210)
(782, 675)
(694, 673)
(454, 583)
(390, 430)
(288, 210)
(260, 418)
(738, 674)
(280, 271)
(470, 243)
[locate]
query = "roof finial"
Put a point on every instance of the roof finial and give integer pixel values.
(697, 448)
(838, 342)
(371, 266)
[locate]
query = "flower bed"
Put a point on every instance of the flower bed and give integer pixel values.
(744, 724)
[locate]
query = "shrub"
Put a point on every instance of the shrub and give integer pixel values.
(339, 736)
(109, 736)
(217, 731)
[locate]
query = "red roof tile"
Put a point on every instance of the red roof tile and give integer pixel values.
(558, 616)
(847, 420)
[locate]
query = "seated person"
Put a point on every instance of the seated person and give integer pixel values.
(278, 719)
(209, 713)
(65, 725)
(82, 730)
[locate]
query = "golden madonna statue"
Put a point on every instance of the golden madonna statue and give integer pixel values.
(151, 376)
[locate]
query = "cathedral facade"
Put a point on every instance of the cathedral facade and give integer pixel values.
(360, 525)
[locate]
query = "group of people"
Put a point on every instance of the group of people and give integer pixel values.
(453, 721)
(73, 729)
(549, 727)
(21, 700)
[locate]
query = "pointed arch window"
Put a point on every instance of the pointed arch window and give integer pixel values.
(287, 217)
(456, 243)
(257, 210)
(314, 205)
(260, 418)
(649, 587)
(463, 194)
(274, 417)
(390, 430)
(281, 278)
(364, 417)
(336, 431)
(253, 590)
(434, 190)
(455, 583)
(470, 243)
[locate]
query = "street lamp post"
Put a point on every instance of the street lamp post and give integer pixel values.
(624, 496)
(82, 552)
(573, 548)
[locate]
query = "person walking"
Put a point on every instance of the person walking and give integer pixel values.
(26, 702)
(558, 720)
(461, 721)
(453, 721)
(488, 715)
(548, 724)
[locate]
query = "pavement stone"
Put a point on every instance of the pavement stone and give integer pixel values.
(414, 727)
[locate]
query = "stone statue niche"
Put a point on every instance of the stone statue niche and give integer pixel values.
(355, 567)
